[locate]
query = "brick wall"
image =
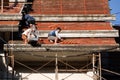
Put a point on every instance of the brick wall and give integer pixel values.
(71, 6)
(74, 25)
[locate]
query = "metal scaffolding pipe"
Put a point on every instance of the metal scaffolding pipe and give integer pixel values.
(93, 61)
(56, 67)
(100, 71)
(12, 62)
(1, 6)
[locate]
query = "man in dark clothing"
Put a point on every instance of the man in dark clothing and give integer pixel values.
(28, 19)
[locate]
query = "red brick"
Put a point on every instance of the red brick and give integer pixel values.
(74, 25)
(83, 41)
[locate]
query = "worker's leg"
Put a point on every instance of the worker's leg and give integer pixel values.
(56, 40)
(51, 38)
(24, 37)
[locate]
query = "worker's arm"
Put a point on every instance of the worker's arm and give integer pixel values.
(57, 34)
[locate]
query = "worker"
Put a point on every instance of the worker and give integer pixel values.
(54, 36)
(28, 34)
(28, 19)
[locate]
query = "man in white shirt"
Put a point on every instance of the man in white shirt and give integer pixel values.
(54, 36)
(29, 33)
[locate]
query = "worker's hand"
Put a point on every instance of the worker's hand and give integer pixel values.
(61, 39)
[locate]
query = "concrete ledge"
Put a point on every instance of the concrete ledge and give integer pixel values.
(60, 47)
(10, 17)
(83, 33)
(89, 17)
(60, 17)
(17, 0)
(9, 27)
(69, 52)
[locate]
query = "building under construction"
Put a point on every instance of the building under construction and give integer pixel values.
(89, 50)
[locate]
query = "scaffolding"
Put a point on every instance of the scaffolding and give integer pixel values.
(95, 68)
(95, 63)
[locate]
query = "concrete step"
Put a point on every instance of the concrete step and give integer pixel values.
(11, 17)
(57, 17)
(81, 33)
(9, 26)
(73, 17)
